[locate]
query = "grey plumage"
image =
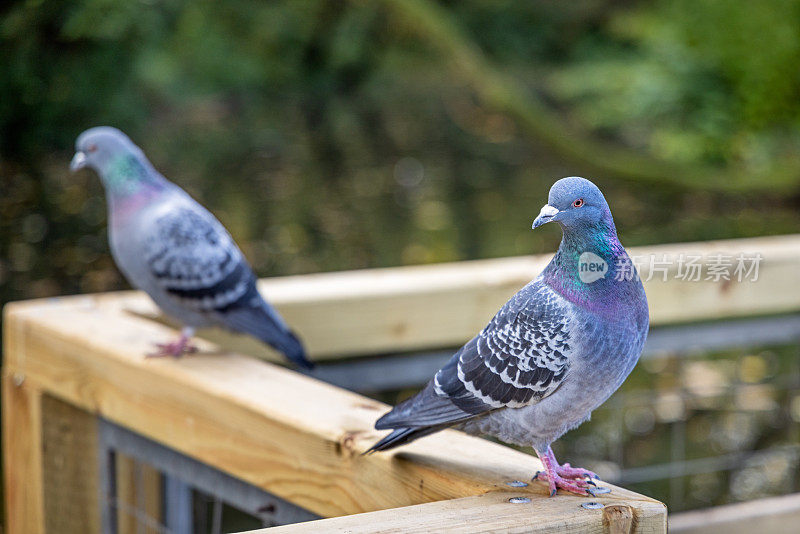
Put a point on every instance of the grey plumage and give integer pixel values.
(168, 245)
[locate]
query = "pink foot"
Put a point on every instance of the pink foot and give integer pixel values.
(565, 477)
(567, 471)
(556, 482)
(177, 348)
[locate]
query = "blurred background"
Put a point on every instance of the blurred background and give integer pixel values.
(330, 135)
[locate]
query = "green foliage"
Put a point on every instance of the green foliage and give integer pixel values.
(696, 81)
(333, 135)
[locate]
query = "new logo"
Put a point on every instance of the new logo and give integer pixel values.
(591, 267)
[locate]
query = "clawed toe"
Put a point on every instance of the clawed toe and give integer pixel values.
(572, 479)
(575, 473)
(580, 487)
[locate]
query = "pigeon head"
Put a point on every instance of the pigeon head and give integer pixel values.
(576, 204)
(591, 267)
(121, 165)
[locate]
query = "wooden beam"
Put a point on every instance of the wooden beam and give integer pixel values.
(22, 454)
(288, 434)
(494, 513)
(776, 515)
(423, 307)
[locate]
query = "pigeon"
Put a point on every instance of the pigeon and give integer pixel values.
(552, 354)
(175, 250)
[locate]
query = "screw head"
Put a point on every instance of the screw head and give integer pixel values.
(18, 379)
(519, 500)
(601, 490)
(516, 484)
(592, 505)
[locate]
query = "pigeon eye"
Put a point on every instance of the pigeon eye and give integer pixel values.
(578, 203)
(92, 148)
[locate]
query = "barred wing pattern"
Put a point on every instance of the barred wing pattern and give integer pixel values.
(521, 356)
(194, 260)
(522, 353)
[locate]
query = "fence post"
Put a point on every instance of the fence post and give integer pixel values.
(22, 455)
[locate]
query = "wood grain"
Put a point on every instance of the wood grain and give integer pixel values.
(491, 513)
(22, 456)
(619, 518)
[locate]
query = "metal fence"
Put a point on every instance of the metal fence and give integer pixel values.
(196, 497)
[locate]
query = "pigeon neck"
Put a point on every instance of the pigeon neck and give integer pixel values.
(127, 175)
(588, 267)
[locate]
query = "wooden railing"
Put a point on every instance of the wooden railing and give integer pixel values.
(776, 515)
(296, 437)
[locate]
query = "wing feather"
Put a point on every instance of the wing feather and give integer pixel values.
(195, 261)
(520, 357)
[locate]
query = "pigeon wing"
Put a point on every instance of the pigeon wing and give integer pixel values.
(521, 356)
(195, 261)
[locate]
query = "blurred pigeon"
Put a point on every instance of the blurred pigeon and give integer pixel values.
(169, 246)
(552, 354)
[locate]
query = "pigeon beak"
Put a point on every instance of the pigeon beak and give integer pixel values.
(78, 161)
(545, 216)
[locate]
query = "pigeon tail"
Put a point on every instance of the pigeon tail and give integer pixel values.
(421, 415)
(401, 436)
(427, 408)
(261, 322)
(291, 346)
